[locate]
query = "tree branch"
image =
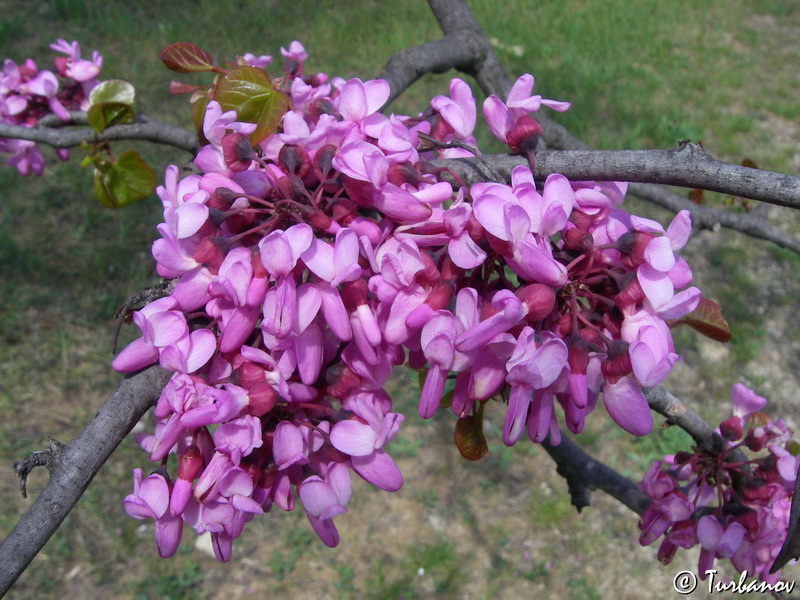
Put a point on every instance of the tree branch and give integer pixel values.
(143, 129)
(686, 166)
(454, 16)
(75, 466)
(585, 473)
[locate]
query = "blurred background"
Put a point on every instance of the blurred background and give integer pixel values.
(639, 74)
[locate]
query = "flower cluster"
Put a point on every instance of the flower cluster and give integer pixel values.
(734, 507)
(28, 94)
(308, 266)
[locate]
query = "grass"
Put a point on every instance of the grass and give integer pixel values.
(639, 75)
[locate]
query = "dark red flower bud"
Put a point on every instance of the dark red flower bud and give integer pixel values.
(323, 161)
(578, 240)
(354, 294)
(190, 463)
(731, 428)
(577, 355)
(341, 381)
(400, 173)
(262, 398)
(581, 220)
(632, 244)
(292, 187)
(294, 160)
(524, 136)
(321, 106)
(250, 374)
(539, 299)
(237, 151)
(618, 362)
(212, 251)
(682, 457)
(631, 295)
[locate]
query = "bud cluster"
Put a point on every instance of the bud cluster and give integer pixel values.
(28, 94)
(733, 506)
(308, 265)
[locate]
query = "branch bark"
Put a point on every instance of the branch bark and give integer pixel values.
(143, 129)
(454, 16)
(73, 468)
(686, 166)
(585, 473)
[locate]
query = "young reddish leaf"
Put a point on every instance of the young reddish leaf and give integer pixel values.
(707, 319)
(696, 196)
(185, 57)
(113, 90)
(749, 162)
(127, 180)
(177, 87)
(248, 91)
(469, 438)
(105, 114)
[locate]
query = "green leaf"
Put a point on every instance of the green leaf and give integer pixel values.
(185, 57)
(248, 91)
(113, 90)
(105, 114)
(127, 180)
(198, 113)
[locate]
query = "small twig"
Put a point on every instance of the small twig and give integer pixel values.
(77, 464)
(39, 458)
(138, 300)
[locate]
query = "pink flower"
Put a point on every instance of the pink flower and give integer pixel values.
(150, 500)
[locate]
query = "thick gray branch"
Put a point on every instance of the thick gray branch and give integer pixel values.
(457, 50)
(584, 473)
(454, 16)
(687, 166)
(149, 131)
(75, 466)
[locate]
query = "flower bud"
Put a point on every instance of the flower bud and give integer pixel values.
(539, 299)
(580, 241)
(211, 251)
(294, 160)
(524, 136)
(237, 151)
(731, 428)
(618, 362)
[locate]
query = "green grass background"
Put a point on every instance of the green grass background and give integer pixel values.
(639, 74)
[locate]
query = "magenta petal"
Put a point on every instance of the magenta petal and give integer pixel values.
(496, 114)
(656, 285)
(745, 400)
(287, 446)
(316, 496)
(516, 414)
(136, 355)
(709, 532)
(680, 229)
(681, 304)
(203, 346)
(325, 529)
(659, 255)
(379, 470)
(353, 437)
(168, 532)
(628, 407)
